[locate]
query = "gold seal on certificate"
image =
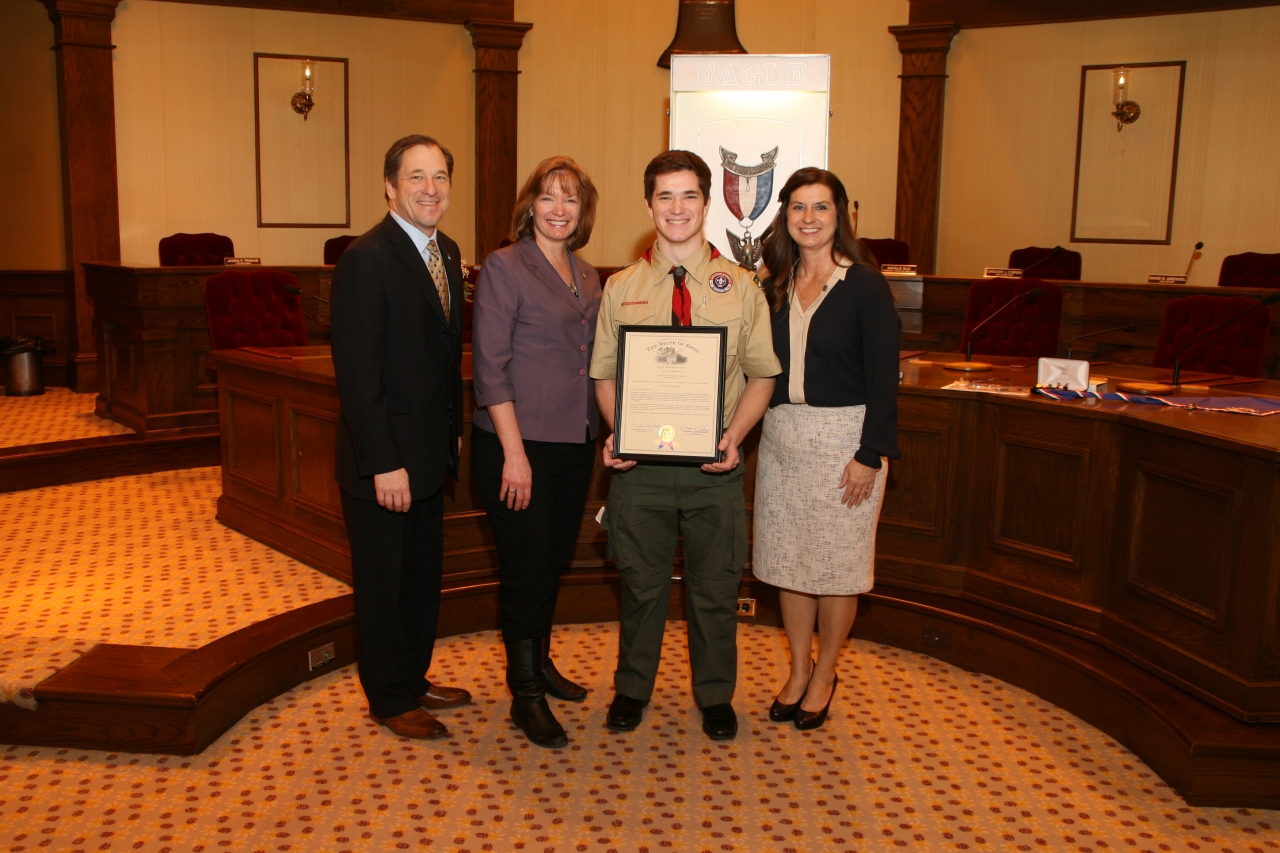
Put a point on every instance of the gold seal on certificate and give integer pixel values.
(670, 393)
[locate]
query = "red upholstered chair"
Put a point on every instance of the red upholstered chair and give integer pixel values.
(195, 250)
(249, 308)
(334, 248)
(889, 251)
(468, 302)
(1025, 328)
(1250, 269)
(1237, 348)
(1065, 267)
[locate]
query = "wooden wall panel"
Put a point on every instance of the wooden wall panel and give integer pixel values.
(1010, 132)
(36, 303)
(252, 435)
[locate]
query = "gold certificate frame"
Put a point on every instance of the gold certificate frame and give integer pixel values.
(670, 401)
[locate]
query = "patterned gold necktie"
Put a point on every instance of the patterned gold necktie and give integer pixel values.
(436, 267)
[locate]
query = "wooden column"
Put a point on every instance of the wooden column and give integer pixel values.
(90, 200)
(497, 45)
(924, 73)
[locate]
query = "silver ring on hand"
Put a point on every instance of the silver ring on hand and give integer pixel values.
(512, 491)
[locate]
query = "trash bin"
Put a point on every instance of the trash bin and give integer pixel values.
(23, 365)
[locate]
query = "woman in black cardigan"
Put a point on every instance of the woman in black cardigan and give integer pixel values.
(831, 426)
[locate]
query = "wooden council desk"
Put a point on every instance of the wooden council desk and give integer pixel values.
(154, 370)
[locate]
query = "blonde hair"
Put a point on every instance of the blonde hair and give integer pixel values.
(574, 179)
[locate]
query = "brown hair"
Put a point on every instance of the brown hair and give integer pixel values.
(573, 178)
(395, 154)
(677, 161)
(779, 252)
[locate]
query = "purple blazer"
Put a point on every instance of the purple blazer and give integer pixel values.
(531, 342)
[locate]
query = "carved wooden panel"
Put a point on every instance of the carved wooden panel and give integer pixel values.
(1039, 501)
(253, 440)
(918, 482)
(197, 383)
(124, 370)
(313, 436)
(1182, 545)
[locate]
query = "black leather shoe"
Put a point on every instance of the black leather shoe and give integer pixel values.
(624, 714)
(558, 686)
(780, 713)
(719, 722)
(806, 720)
(529, 709)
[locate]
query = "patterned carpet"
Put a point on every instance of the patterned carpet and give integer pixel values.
(56, 415)
(138, 560)
(917, 755)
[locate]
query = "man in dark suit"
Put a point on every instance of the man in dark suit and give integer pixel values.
(397, 357)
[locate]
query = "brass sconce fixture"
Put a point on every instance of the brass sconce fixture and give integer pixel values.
(302, 101)
(704, 26)
(1127, 111)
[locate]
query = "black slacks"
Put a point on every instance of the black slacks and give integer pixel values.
(397, 559)
(536, 543)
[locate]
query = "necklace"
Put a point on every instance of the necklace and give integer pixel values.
(806, 302)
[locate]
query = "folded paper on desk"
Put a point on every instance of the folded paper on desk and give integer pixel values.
(1237, 405)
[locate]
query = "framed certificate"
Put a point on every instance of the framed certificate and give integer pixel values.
(670, 393)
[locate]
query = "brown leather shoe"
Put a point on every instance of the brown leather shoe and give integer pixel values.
(438, 698)
(416, 724)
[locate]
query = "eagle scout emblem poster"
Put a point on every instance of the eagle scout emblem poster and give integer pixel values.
(754, 119)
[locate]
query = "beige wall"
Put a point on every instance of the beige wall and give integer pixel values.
(31, 232)
(1009, 142)
(591, 89)
(185, 130)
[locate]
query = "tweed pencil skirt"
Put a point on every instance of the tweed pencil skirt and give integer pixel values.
(805, 539)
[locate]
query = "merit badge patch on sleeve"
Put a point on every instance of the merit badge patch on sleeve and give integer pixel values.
(720, 282)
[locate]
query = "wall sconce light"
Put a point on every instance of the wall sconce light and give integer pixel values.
(302, 101)
(1127, 111)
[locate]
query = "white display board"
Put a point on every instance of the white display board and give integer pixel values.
(754, 119)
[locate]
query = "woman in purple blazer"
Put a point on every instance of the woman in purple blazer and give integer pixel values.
(533, 436)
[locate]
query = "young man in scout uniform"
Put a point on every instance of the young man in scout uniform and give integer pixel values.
(682, 280)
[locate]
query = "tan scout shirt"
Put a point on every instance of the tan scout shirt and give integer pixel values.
(640, 295)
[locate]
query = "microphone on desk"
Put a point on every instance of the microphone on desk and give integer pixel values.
(1031, 295)
(1269, 299)
(1057, 250)
(1071, 346)
(1191, 260)
(298, 291)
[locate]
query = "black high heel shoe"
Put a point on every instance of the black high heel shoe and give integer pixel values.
(780, 713)
(806, 720)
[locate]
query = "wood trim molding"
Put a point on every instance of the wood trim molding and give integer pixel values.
(90, 198)
(968, 14)
(433, 11)
(497, 47)
(924, 49)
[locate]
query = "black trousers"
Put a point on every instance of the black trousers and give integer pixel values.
(536, 543)
(397, 559)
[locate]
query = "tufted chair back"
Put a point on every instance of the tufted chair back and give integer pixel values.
(1025, 328)
(1065, 267)
(889, 251)
(333, 248)
(1238, 348)
(249, 308)
(195, 250)
(1250, 269)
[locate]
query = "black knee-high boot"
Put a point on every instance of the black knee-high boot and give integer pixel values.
(529, 709)
(557, 685)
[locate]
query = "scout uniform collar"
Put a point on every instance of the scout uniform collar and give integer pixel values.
(695, 265)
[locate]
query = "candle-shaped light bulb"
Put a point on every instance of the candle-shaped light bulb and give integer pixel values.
(308, 85)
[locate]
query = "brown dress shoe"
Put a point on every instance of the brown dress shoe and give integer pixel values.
(438, 698)
(416, 723)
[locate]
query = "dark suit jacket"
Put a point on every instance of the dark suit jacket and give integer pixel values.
(398, 362)
(531, 343)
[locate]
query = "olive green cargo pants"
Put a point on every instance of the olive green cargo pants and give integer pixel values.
(649, 507)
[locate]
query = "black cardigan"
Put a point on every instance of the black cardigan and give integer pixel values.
(852, 358)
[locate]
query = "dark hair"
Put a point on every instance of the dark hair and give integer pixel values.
(779, 252)
(677, 161)
(395, 154)
(574, 179)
